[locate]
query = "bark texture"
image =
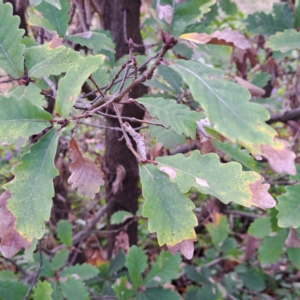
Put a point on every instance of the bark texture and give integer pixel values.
(116, 152)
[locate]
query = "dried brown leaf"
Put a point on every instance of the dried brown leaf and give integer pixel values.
(254, 90)
(86, 176)
(11, 241)
(226, 37)
(292, 241)
(118, 183)
(186, 247)
(55, 42)
(260, 195)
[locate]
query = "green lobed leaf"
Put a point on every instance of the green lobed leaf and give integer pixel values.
(289, 207)
(136, 263)
(120, 217)
(226, 104)
(200, 277)
(253, 281)
(84, 271)
(69, 87)
(218, 230)
(167, 136)
(285, 41)
(242, 156)
(229, 7)
(157, 293)
(60, 259)
(117, 263)
(57, 293)
(123, 289)
(11, 49)
(294, 256)
(261, 79)
(30, 92)
(272, 247)
(42, 291)
(6, 275)
(20, 118)
(12, 290)
(55, 3)
(208, 291)
(51, 18)
(30, 207)
(169, 212)
(171, 77)
(227, 181)
(165, 268)
(74, 289)
(45, 61)
(93, 40)
(64, 232)
(260, 227)
(179, 117)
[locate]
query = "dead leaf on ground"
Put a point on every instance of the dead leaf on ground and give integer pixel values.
(186, 247)
(11, 241)
(292, 241)
(226, 37)
(86, 176)
(260, 196)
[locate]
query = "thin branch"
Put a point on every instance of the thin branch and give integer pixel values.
(96, 85)
(34, 281)
(100, 126)
(284, 117)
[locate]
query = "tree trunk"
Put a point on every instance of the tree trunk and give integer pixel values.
(116, 151)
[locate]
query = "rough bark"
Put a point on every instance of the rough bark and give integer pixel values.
(116, 152)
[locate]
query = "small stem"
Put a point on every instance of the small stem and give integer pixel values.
(96, 85)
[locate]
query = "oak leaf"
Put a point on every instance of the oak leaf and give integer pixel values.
(11, 241)
(226, 37)
(86, 176)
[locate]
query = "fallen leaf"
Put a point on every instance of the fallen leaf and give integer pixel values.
(11, 241)
(164, 12)
(226, 37)
(186, 247)
(260, 196)
(292, 241)
(254, 90)
(86, 176)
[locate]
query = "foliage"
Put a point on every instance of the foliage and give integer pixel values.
(204, 79)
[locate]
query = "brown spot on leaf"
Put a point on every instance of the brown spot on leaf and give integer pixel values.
(86, 176)
(11, 241)
(186, 247)
(280, 160)
(260, 196)
(292, 241)
(226, 37)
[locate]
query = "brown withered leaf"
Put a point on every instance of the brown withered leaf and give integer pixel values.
(55, 42)
(11, 241)
(86, 176)
(260, 195)
(292, 241)
(118, 182)
(226, 37)
(186, 247)
(280, 160)
(254, 90)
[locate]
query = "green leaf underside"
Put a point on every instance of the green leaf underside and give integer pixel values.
(218, 230)
(227, 181)
(167, 136)
(136, 263)
(285, 41)
(42, 291)
(19, 117)
(64, 232)
(260, 227)
(12, 290)
(226, 104)
(45, 61)
(69, 87)
(165, 268)
(93, 40)
(179, 117)
(30, 207)
(31, 93)
(84, 271)
(60, 259)
(47, 14)
(289, 207)
(120, 216)
(242, 156)
(169, 212)
(74, 289)
(11, 49)
(272, 247)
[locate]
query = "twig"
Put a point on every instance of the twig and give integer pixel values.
(96, 85)
(81, 15)
(100, 126)
(242, 214)
(15, 264)
(115, 77)
(287, 116)
(34, 281)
